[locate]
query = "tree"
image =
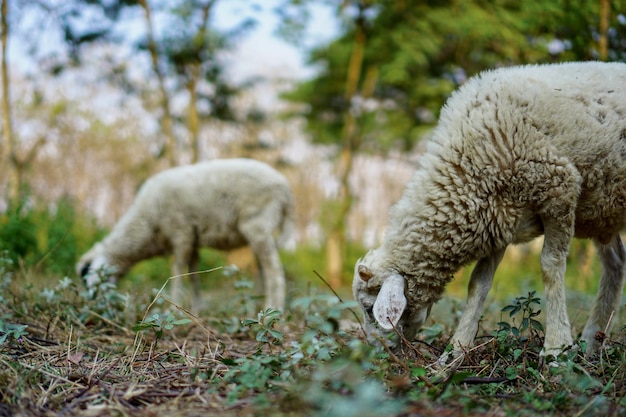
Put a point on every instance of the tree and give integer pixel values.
(189, 54)
(7, 132)
(20, 156)
(164, 99)
(354, 84)
(350, 142)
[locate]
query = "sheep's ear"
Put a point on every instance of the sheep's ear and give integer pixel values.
(390, 303)
(365, 273)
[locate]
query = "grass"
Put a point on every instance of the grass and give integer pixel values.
(66, 351)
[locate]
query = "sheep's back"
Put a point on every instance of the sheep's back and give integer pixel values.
(476, 182)
(508, 119)
(211, 197)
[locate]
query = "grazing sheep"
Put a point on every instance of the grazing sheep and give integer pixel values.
(222, 204)
(518, 153)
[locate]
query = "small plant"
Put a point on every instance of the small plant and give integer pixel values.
(528, 323)
(104, 299)
(10, 331)
(6, 272)
(159, 322)
(264, 324)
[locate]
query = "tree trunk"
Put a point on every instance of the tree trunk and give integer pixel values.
(193, 120)
(603, 30)
(167, 125)
(194, 73)
(8, 149)
(336, 243)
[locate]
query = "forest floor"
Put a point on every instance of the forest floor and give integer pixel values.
(66, 351)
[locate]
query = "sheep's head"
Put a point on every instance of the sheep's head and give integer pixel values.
(94, 267)
(381, 294)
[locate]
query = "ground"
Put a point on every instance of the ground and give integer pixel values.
(109, 353)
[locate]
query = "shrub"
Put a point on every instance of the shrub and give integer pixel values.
(18, 232)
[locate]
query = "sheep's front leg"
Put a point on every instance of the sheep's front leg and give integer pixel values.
(478, 288)
(194, 267)
(557, 236)
(613, 259)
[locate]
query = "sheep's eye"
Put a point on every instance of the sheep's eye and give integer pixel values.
(373, 290)
(369, 311)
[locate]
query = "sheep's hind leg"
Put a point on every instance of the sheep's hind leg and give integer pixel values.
(478, 288)
(257, 229)
(270, 267)
(271, 271)
(613, 259)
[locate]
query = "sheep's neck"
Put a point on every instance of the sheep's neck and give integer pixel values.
(428, 241)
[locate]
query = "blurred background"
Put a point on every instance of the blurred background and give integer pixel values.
(340, 96)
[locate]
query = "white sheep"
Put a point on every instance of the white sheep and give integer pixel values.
(222, 204)
(518, 152)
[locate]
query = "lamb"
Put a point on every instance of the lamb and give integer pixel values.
(223, 204)
(518, 153)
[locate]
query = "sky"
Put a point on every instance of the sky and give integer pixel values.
(262, 52)
(259, 53)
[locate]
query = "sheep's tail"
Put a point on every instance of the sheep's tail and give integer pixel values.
(288, 221)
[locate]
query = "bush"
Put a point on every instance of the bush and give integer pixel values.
(49, 237)
(18, 232)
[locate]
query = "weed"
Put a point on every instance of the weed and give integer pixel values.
(159, 322)
(264, 327)
(11, 332)
(528, 326)
(6, 273)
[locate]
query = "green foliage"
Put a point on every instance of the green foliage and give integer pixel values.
(523, 305)
(322, 348)
(49, 237)
(11, 332)
(18, 231)
(301, 263)
(264, 326)
(421, 50)
(159, 322)
(61, 239)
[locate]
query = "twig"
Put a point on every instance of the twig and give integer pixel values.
(156, 297)
(50, 374)
(402, 364)
(96, 381)
(475, 380)
(405, 341)
(328, 285)
(50, 251)
(101, 317)
(191, 316)
(608, 322)
(340, 299)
